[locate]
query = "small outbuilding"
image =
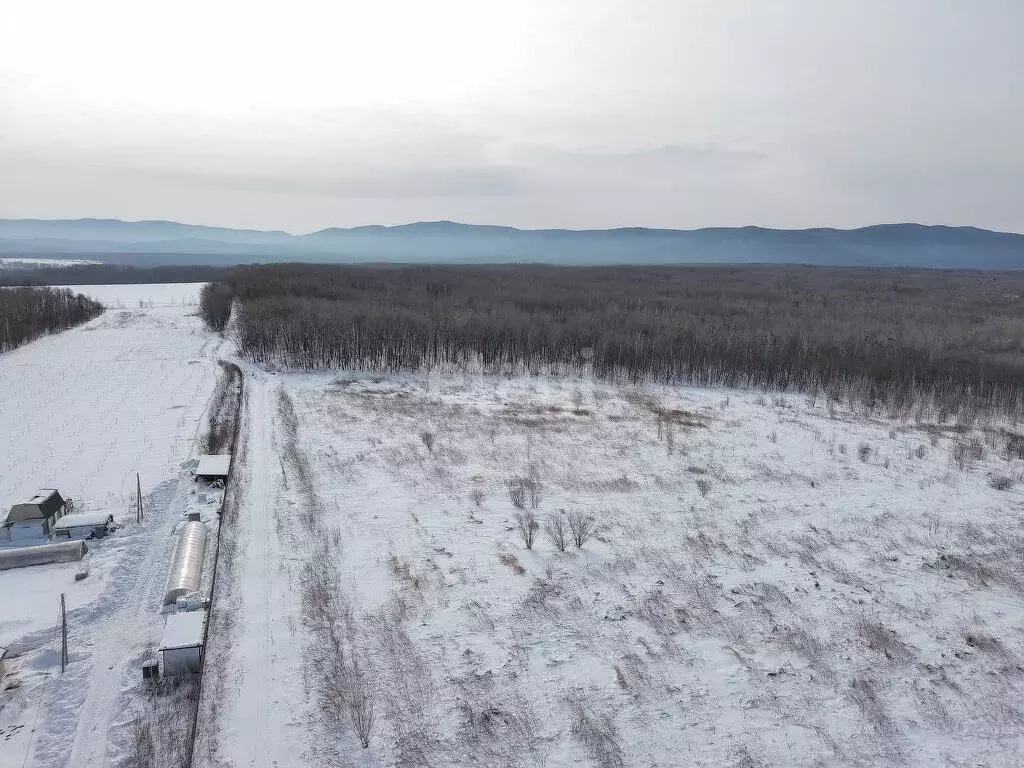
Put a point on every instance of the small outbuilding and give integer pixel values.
(213, 467)
(34, 518)
(83, 525)
(181, 646)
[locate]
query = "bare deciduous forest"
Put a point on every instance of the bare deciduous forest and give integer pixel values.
(27, 313)
(895, 339)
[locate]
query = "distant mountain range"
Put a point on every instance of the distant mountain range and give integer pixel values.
(148, 243)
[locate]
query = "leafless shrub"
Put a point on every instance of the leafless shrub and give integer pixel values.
(1014, 446)
(526, 522)
(921, 451)
(427, 439)
(160, 735)
(598, 736)
(223, 410)
(881, 639)
(798, 639)
(1001, 482)
(964, 453)
(517, 492)
(510, 560)
(533, 491)
(478, 496)
(842, 449)
(703, 485)
(143, 750)
(978, 639)
(864, 693)
(582, 526)
(864, 451)
(971, 569)
(557, 530)
(773, 437)
(360, 706)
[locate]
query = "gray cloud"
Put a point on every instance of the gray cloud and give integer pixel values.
(692, 113)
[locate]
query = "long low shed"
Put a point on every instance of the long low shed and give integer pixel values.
(83, 525)
(44, 554)
(181, 645)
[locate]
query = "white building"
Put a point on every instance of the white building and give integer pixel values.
(213, 467)
(83, 525)
(181, 646)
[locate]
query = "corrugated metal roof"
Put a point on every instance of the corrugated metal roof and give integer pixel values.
(183, 630)
(214, 466)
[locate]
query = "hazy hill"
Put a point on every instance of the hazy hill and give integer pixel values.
(165, 242)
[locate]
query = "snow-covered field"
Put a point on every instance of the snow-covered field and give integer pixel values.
(773, 581)
(84, 411)
(145, 295)
(28, 261)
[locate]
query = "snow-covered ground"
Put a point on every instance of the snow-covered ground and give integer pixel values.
(773, 581)
(145, 294)
(29, 261)
(84, 411)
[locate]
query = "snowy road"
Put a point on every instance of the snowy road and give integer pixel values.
(259, 717)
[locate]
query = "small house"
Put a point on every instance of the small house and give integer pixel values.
(212, 468)
(181, 646)
(34, 519)
(83, 525)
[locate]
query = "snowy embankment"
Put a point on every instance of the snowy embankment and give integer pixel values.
(773, 581)
(85, 410)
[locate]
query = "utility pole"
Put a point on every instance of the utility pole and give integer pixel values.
(63, 635)
(138, 492)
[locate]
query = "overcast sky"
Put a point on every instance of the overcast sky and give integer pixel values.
(535, 113)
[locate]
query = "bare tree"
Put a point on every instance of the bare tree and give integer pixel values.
(582, 526)
(517, 493)
(478, 496)
(534, 491)
(703, 485)
(557, 530)
(526, 522)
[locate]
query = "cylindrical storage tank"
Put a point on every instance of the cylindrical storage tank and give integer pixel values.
(187, 566)
(20, 557)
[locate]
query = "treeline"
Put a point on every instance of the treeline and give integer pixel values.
(110, 274)
(27, 313)
(888, 338)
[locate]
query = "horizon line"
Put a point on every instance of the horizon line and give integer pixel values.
(582, 230)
